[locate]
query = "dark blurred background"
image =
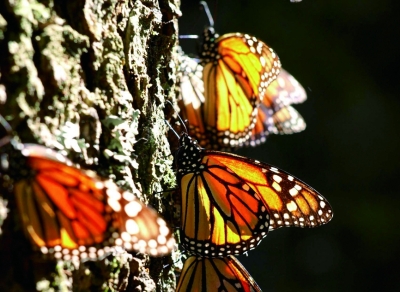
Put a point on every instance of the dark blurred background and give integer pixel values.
(347, 56)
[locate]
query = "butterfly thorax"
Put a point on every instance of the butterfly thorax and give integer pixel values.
(209, 50)
(189, 155)
(13, 162)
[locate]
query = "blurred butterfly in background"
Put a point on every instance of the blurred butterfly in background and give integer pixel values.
(216, 274)
(229, 202)
(275, 114)
(70, 213)
(229, 82)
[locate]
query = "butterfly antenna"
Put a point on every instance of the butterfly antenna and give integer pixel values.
(204, 5)
(189, 36)
(183, 123)
(172, 129)
(7, 127)
(179, 117)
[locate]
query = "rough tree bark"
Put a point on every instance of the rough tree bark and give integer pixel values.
(90, 78)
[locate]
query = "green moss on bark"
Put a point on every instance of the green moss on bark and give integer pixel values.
(90, 78)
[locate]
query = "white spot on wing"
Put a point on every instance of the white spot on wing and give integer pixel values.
(132, 227)
(133, 208)
(293, 192)
(291, 206)
(276, 186)
(274, 169)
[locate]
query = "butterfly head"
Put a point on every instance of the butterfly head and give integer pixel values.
(10, 150)
(209, 35)
(6, 135)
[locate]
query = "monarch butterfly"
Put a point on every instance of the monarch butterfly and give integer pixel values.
(236, 69)
(274, 115)
(71, 214)
(217, 274)
(229, 202)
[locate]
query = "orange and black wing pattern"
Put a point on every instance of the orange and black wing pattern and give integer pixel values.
(221, 214)
(230, 202)
(236, 70)
(275, 114)
(217, 274)
(70, 213)
(290, 202)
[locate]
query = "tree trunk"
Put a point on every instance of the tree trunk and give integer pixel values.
(90, 78)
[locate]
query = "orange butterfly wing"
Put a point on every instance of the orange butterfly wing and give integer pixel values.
(289, 201)
(275, 114)
(217, 274)
(284, 91)
(234, 82)
(235, 70)
(220, 214)
(71, 213)
(229, 201)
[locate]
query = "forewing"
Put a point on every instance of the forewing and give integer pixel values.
(289, 201)
(72, 213)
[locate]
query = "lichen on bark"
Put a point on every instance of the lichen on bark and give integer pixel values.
(90, 79)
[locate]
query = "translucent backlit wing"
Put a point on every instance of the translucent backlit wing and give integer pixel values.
(217, 274)
(229, 202)
(71, 213)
